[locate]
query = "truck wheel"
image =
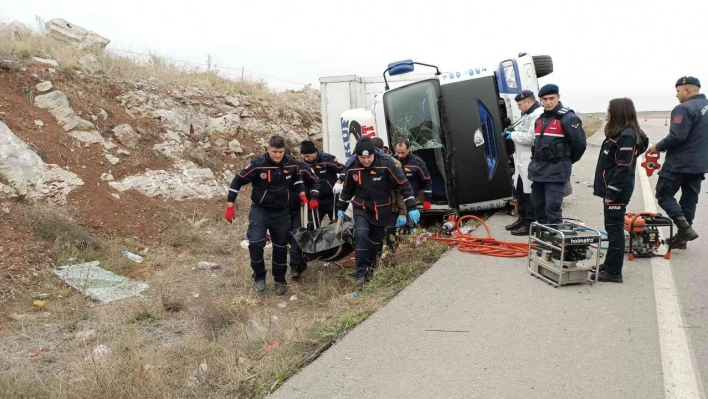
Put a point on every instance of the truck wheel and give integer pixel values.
(568, 189)
(543, 65)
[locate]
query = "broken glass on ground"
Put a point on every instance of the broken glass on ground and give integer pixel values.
(99, 284)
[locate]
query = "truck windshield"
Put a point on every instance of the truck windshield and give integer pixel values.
(412, 113)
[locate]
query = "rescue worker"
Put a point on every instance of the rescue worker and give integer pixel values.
(367, 186)
(326, 166)
(559, 143)
(416, 171)
(312, 185)
(398, 208)
(614, 179)
(523, 137)
(686, 148)
(338, 185)
(273, 177)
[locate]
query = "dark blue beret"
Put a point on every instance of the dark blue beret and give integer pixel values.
(548, 89)
(688, 80)
(524, 94)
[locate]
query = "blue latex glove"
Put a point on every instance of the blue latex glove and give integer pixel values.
(507, 134)
(401, 221)
(414, 215)
(340, 214)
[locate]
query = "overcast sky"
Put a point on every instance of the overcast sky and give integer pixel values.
(601, 49)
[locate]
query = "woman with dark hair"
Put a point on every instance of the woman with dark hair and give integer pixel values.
(614, 179)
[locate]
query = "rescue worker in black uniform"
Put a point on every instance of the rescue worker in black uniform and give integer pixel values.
(614, 179)
(416, 171)
(559, 143)
(326, 167)
(686, 161)
(273, 177)
(339, 184)
(398, 207)
(312, 185)
(367, 186)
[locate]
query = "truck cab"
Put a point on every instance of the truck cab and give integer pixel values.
(454, 122)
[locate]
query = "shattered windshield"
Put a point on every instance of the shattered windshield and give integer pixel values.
(412, 113)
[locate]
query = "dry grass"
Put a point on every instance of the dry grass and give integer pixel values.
(130, 69)
(63, 227)
(190, 316)
(591, 125)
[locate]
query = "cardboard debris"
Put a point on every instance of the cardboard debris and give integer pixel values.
(99, 284)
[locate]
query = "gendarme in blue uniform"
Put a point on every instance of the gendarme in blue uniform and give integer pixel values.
(560, 142)
(686, 162)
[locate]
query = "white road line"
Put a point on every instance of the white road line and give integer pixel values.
(680, 376)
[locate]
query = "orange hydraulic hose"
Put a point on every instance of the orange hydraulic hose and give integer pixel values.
(483, 245)
(348, 263)
(468, 243)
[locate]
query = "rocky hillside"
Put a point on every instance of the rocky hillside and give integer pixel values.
(119, 142)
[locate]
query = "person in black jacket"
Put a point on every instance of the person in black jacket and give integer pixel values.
(614, 179)
(312, 185)
(273, 177)
(560, 142)
(326, 167)
(686, 161)
(367, 186)
(416, 172)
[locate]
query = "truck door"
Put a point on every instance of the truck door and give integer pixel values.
(476, 151)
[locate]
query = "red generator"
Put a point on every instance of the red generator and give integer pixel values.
(642, 239)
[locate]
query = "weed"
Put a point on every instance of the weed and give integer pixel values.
(25, 385)
(339, 326)
(71, 238)
(171, 303)
(145, 316)
(216, 316)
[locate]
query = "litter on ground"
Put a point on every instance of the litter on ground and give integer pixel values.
(99, 284)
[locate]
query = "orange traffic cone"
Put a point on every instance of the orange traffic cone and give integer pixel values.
(666, 122)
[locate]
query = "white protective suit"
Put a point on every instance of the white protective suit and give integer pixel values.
(524, 136)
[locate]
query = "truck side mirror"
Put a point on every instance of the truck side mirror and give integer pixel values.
(400, 67)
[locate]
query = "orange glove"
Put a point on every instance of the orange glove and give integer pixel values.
(303, 199)
(426, 206)
(314, 204)
(230, 213)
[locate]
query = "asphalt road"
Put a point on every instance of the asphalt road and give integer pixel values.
(690, 270)
(482, 327)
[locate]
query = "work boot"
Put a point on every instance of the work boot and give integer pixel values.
(514, 225)
(608, 277)
(281, 288)
(522, 229)
(685, 231)
(678, 245)
(260, 285)
(361, 280)
(296, 271)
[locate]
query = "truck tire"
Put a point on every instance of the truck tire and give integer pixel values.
(543, 65)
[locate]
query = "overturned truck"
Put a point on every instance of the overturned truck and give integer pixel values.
(453, 120)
